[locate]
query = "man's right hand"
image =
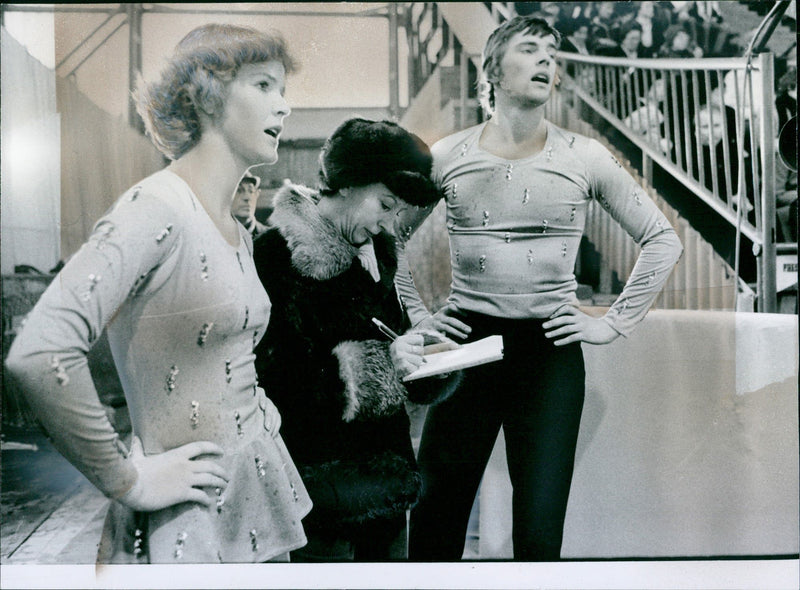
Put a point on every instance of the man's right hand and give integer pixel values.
(444, 321)
(174, 476)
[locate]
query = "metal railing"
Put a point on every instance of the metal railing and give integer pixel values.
(708, 122)
(431, 45)
(429, 42)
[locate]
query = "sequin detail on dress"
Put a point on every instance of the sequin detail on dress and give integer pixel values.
(59, 370)
(179, 545)
(103, 234)
(260, 469)
(171, 379)
(137, 543)
(194, 418)
(93, 280)
(164, 233)
(254, 540)
(203, 266)
(204, 332)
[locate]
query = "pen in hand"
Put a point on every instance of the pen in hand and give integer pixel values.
(387, 331)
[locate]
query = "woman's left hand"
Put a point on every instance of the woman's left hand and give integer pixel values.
(569, 324)
(406, 352)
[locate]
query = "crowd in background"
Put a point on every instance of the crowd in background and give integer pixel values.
(638, 29)
(691, 29)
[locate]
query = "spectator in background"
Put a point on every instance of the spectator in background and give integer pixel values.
(648, 119)
(551, 13)
(601, 24)
(736, 95)
(703, 20)
(624, 14)
(786, 174)
(245, 202)
(630, 84)
(786, 96)
(786, 197)
(629, 41)
(715, 126)
(577, 36)
(729, 45)
(707, 11)
(577, 41)
(654, 23)
(695, 12)
(678, 43)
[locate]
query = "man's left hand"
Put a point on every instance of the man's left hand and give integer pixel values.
(569, 324)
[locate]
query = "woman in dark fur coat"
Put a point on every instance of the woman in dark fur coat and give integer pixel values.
(328, 264)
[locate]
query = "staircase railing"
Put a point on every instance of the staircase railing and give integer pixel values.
(428, 38)
(658, 105)
(432, 44)
(709, 123)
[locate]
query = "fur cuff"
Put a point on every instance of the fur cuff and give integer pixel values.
(372, 388)
(349, 494)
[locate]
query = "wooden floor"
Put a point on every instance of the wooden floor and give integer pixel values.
(51, 514)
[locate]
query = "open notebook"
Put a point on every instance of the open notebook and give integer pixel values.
(480, 352)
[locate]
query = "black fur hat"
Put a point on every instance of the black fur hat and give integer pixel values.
(362, 152)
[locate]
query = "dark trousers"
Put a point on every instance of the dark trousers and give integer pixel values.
(536, 394)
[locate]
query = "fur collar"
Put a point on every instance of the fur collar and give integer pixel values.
(318, 250)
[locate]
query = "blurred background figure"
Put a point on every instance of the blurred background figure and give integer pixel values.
(629, 38)
(716, 126)
(654, 21)
(786, 164)
(786, 94)
(576, 39)
(244, 204)
(602, 22)
(678, 43)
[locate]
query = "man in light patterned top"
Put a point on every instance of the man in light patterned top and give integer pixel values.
(517, 189)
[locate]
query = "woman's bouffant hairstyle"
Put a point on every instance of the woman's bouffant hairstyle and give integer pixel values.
(362, 152)
(195, 80)
(626, 30)
(496, 47)
(672, 32)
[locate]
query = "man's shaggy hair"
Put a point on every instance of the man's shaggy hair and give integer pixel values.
(496, 47)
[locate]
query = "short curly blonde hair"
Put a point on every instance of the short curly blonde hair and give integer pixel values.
(196, 78)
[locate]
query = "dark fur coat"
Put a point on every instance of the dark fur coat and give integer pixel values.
(328, 369)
